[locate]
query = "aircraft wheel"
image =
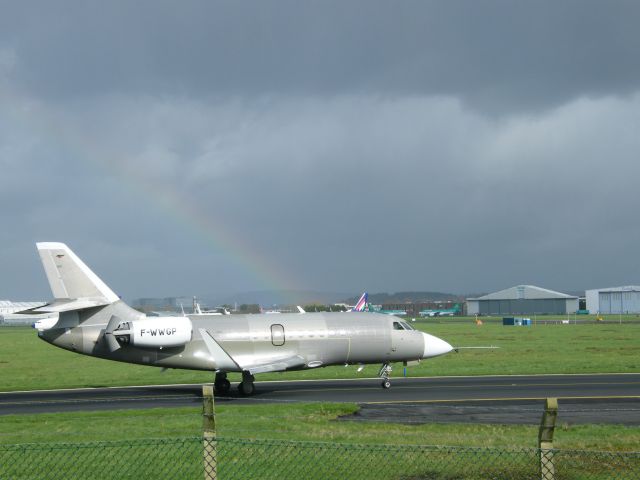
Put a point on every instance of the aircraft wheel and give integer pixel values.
(386, 384)
(247, 388)
(223, 386)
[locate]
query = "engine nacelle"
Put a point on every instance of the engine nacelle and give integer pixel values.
(158, 332)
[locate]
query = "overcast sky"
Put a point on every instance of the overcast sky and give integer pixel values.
(208, 148)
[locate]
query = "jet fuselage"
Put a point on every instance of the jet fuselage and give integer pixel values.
(92, 320)
(318, 339)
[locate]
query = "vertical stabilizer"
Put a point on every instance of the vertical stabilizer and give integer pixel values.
(70, 279)
(361, 304)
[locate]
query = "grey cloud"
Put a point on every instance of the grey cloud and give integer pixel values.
(365, 187)
(498, 56)
(344, 146)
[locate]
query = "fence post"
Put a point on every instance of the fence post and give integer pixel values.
(209, 433)
(545, 439)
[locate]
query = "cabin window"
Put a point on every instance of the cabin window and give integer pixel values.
(277, 335)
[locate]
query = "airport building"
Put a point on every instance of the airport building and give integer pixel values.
(614, 300)
(523, 300)
(174, 304)
(414, 309)
(8, 315)
(7, 306)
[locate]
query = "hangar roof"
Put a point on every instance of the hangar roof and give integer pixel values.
(526, 292)
(626, 288)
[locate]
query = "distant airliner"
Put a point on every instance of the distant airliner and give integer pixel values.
(94, 321)
(442, 312)
(379, 309)
(361, 303)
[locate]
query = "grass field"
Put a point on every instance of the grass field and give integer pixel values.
(306, 422)
(28, 363)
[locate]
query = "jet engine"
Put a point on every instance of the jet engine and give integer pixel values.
(155, 332)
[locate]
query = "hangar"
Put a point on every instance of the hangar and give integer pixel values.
(614, 300)
(523, 300)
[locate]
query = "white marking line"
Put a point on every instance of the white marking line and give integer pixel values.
(97, 400)
(501, 399)
(431, 387)
(537, 375)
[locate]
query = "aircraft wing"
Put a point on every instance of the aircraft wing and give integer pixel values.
(276, 365)
(226, 362)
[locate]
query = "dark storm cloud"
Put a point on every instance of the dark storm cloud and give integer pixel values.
(201, 147)
(497, 56)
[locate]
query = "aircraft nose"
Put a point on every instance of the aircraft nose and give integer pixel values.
(434, 346)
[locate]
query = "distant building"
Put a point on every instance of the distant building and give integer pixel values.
(523, 300)
(414, 309)
(8, 311)
(614, 300)
(7, 306)
(174, 304)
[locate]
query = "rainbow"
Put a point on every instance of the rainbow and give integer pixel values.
(47, 125)
(222, 239)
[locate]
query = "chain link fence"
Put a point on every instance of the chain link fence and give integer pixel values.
(183, 458)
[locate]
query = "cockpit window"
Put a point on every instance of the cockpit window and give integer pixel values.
(402, 326)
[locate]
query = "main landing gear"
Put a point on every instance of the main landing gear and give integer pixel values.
(247, 386)
(221, 384)
(384, 373)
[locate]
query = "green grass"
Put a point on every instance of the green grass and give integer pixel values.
(541, 349)
(28, 363)
(257, 443)
(279, 460)
(300, 422)
(572, 318)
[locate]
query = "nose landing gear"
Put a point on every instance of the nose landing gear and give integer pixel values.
(385, 373)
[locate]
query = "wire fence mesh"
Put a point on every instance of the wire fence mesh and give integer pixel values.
(184, 458)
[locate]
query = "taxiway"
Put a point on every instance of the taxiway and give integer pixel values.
(592, 398)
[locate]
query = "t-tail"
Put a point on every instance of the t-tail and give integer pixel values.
(82, 300)
(361, 304)
(73, 284)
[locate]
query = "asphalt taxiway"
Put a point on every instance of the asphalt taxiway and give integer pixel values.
(592, 398)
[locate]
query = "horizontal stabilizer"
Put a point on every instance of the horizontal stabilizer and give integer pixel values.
(29, 311)
(68, 306)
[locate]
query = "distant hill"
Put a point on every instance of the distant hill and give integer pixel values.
(301, 297)
(283, 297)
(408, 297)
